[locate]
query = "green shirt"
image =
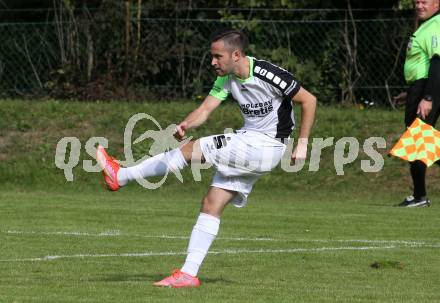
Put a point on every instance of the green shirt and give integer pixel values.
(423, 45)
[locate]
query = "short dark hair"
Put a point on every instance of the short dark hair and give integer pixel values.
(232, 38)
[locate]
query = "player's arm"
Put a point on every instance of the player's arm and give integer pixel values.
(307, 102)
(198, 116)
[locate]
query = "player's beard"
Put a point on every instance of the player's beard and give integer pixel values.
(220, 72)
(223, 71)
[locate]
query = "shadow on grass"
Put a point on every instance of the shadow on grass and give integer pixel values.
(126, 278)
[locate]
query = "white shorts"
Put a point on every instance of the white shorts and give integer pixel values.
(240, 160)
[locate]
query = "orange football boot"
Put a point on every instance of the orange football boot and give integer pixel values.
(110, 168)
(178, 279)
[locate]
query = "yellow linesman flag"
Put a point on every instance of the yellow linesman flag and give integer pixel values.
(419, 142)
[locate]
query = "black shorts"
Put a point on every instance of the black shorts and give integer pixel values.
(415, 95)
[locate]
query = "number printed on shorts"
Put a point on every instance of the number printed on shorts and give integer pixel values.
(220, 141)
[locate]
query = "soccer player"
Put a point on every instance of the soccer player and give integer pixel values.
(422, 73)
(264, 93)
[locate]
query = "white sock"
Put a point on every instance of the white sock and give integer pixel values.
(156, 166)
(202, 236)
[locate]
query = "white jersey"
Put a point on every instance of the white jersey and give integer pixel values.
(265, 98)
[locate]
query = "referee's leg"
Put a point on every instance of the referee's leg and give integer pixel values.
(417, 168)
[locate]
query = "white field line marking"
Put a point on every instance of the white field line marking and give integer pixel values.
(226, 251)
(117, 233)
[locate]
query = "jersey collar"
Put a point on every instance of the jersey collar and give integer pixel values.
(435, 14)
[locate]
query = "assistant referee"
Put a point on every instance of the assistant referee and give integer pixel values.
(422, 73)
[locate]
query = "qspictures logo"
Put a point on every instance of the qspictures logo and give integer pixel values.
(345, 151)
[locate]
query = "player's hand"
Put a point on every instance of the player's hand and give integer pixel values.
(424, 108)
(181, 131)
(300, 151)
(400, 98)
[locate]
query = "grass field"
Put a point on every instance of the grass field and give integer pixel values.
(305, 237)
(95, 246)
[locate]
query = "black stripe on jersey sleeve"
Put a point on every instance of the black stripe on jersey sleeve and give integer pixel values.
(277, 77)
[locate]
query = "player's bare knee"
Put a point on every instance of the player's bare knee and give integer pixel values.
(209, 207)
(187, 150)
(192, 152)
